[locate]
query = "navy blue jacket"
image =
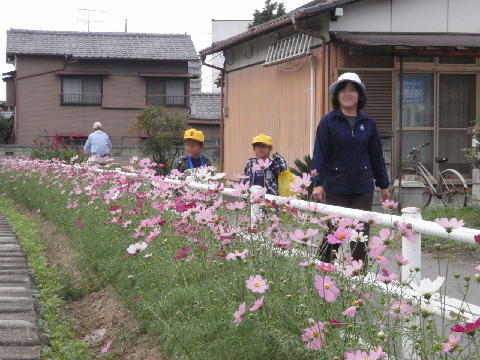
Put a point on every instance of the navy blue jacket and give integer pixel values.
(348, 160)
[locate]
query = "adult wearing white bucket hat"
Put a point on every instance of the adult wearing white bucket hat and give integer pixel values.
(348, 157)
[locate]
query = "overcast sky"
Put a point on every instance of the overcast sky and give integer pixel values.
(172, 16)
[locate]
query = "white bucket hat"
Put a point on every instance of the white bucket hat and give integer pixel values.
(349, 76)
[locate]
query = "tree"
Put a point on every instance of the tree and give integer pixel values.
(164, 135)
(270, 11)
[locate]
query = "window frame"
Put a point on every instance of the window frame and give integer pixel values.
(164, 80)
(82, 78)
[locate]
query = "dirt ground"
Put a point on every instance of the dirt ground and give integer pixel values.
(101, 317)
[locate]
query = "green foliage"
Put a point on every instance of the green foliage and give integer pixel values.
(164, 135)
(303, 167)
(6, 128)
(270, 11)
(56, 326)
(46, 149)
(473, 153)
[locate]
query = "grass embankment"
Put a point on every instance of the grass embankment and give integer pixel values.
(188, 305)
(56, 326)
(471, 217)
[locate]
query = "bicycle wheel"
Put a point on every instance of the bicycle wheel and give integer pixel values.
(453, 189)
(412, 175)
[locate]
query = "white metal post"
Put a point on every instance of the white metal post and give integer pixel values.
(412, 250)
(255, 210)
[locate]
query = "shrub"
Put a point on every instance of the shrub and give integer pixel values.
(164, 134)
(59, 148)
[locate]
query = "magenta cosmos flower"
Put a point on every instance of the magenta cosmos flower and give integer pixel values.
(326, 288)
(477, 238)
(314, 336)
(469, 328)
(449, 224)
(386, 276)
(182, 252)
(256, 284)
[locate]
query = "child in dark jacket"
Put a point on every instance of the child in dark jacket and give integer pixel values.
(193, 144)
(262, 170)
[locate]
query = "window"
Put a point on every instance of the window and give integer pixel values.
(166, 92)
(81, 91)
(457, 60)
(419, 59)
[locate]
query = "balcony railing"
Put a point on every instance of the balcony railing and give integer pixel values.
(171, 100)
(81, 99)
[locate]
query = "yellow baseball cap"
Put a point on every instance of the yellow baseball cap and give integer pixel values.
(262, 139)
(194, 134)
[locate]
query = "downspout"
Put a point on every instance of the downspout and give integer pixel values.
(400, 144)
(222, 100)
(313, 77)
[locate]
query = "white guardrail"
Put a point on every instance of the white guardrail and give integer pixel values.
(411, 250)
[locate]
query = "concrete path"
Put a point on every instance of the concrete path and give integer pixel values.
(19, 337)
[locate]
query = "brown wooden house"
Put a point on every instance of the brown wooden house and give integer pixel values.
(276, 76)
(64, 81)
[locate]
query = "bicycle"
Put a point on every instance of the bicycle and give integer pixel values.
(450, 186)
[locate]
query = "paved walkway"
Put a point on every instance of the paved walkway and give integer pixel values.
(19, 337)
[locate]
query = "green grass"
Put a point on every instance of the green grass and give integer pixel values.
(188, 306)
(471, 217)
(56, 326)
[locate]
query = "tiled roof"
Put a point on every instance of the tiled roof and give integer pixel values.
(98, 45)
(310, 8)
(205, 106)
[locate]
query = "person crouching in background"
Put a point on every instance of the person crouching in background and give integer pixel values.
(261, 170)
(98, 145)
(193, 158)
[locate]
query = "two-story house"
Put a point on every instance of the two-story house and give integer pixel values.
(64, 81)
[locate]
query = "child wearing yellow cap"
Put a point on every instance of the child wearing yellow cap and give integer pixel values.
(193, 140)
(261, 170)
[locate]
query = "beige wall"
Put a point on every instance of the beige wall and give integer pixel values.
(39, 112)
(272, 100)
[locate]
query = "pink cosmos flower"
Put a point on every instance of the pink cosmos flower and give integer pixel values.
(339, 236)
(314, 336)
(362, 355)
(478, 268)
(451, 343)
(350, 312)
(236, 205)
(401, 260)
(386, 276)
(326, 288)
(237, 315)
(182, 253)
(406, 231)
(152, 235)
(399, 308)
(134, 249)
(371, 218)
(257, 304)
(305, 263)
(301, 184)
(353, 268)
(241, 188)
(449, 224)
(326, 267)
(237, 255)
(146, 256)
(304, 237)
(256, 284)
(376, 253)
(261, 164)
(106, 348)
(389, 204)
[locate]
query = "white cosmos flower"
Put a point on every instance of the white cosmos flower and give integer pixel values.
(427, 287)
(134, 249)
(428, 308)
